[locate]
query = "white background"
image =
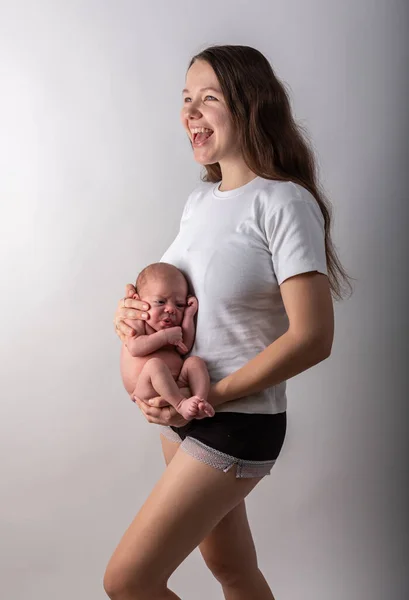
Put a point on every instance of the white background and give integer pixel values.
(95, 170)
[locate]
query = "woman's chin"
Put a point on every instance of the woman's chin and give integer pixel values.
(204, 160)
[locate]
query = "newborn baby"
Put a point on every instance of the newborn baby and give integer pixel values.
(151, 360)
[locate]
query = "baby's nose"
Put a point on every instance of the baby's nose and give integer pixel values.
(169, 308)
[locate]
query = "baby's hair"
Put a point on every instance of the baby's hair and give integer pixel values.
(157, 270)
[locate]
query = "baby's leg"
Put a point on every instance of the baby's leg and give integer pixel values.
(194, 374)
(156, 379)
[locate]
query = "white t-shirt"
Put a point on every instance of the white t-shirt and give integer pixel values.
(236, 248)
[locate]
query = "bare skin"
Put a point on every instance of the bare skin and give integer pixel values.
(229, 551)
(194, 504)
(167, 528)
(151, 358)
(227, 547)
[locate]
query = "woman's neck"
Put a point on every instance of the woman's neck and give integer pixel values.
(234, 176)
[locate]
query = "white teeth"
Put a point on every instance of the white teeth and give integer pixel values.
(200, 130)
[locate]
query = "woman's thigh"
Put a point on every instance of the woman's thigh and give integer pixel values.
(229, 547)
(169, 448)
(184, 507)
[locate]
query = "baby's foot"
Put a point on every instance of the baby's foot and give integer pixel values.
(189, 407)
(195, 408)
(205, 409)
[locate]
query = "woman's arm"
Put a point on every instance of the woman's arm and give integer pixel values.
(308, 341)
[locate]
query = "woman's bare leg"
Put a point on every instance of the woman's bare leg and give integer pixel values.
(230, 554)
(229, 550)
(183, 508)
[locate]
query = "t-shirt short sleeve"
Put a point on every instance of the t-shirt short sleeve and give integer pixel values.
(296, 237)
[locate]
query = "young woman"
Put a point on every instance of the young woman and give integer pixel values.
(255, 244)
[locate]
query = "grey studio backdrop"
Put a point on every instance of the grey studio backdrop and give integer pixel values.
(95, 170)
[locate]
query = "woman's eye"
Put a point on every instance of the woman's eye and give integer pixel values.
(187, 99)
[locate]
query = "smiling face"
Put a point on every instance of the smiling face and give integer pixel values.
(205, 110)
(167, 299)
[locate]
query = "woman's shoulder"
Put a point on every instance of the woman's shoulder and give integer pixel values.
(280, 193)
(201, 189)
(283, 202)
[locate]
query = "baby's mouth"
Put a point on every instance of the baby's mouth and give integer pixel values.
(167, 322)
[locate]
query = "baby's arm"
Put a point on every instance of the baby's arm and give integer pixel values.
(141, 344)
(188, 324)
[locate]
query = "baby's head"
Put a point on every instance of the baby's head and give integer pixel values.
(165, 289)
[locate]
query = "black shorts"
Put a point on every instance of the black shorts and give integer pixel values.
(252, 441)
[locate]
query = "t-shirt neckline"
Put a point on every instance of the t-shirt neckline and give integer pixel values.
(237, 191)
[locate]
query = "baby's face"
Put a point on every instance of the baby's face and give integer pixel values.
(167, 299)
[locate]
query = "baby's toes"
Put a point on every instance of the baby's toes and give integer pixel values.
(207, 409)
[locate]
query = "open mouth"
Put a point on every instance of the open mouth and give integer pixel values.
(166, 323)
(201, 137)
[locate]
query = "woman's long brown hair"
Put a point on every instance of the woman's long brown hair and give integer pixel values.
(274, 146)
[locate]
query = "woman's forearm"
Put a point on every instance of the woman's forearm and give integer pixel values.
(286, 357)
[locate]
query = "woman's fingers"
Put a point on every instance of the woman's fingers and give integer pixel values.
(158, 402)
(124, 329)
(129, 308)
(129, 290)
(121, 328)
(166, 415)
(131, 301)
(152, 414)
(175, 419)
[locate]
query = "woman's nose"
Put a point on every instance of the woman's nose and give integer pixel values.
(191, 110)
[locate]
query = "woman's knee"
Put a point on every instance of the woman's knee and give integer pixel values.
(229, 568)
(228, 572)
(115, 583)
(119, 584)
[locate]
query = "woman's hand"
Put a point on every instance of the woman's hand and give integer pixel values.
(158, 411)
(129, 307)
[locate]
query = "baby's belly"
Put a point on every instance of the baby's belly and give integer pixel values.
(131, 366)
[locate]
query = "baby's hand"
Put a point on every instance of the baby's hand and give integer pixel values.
(174, 335)
(192, 306)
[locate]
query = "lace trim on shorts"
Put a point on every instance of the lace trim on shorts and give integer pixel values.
(167, 432)
(220, 460)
